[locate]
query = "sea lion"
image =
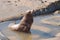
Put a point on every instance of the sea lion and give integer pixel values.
(25, 23)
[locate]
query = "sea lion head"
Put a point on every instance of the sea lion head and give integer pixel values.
(29, 12)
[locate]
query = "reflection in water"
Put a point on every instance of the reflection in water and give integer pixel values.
(42, 34)
(24, 36)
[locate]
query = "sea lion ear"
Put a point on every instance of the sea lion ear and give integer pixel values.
(32, 11)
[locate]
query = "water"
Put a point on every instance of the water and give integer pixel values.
(39, 30)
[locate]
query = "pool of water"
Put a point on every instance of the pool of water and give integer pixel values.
(39, 30)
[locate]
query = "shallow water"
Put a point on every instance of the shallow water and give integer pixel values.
(39, 30)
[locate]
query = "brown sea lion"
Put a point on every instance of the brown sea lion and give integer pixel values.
(25, 24)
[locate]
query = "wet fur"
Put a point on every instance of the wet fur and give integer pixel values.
(26, 22)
